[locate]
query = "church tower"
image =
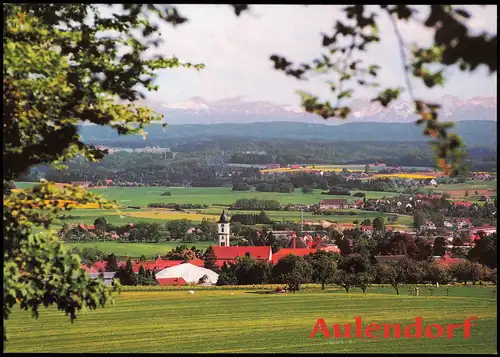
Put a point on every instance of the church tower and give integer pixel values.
(224, 230)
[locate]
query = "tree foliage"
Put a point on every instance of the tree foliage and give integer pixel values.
(65, 64)
(293, 271)
(324, 267)
(453, 44)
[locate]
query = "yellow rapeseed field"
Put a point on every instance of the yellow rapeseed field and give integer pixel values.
(406, 176)
(316, 168)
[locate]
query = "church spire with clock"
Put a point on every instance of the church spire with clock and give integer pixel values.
(223, 230)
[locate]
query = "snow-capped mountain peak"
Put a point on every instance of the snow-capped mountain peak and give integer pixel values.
(193, 104)
(238, 110)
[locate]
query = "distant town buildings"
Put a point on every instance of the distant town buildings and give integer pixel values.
(333, 204)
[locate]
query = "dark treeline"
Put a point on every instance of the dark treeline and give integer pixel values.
(201, 162)
(177, 206)
(349, 271)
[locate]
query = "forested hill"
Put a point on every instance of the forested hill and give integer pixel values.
(474, 133)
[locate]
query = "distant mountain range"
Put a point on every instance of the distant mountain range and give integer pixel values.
(475, 133)
(236, 110)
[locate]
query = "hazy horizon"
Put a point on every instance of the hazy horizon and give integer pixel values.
(236, 51)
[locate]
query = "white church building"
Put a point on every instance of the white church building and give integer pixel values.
(224, 230)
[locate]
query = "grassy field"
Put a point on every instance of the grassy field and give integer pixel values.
(135, 250)
(248, 320)
(126, 216)
(216, 197)
(142, 196)
(457, 191)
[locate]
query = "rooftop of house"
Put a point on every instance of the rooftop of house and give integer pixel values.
(291, 251)
(171, 281)
(231, 253)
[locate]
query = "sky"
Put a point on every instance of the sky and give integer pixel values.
(236, 51)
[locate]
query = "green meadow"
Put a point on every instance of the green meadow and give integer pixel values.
(250, 320)
(142, 196)
(216, 197)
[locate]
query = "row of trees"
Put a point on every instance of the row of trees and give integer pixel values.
(178, 206)
(256, 204)
(419, 248)
(251, 219)
(141, 231)
(353, 270)
(152, 169)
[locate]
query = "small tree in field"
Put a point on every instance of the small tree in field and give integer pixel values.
(324, 267)
(388, 273)
(379, 223)
(293, 271)
(436, 273)
(345, 279)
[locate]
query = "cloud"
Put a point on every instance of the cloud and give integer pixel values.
(236, 53)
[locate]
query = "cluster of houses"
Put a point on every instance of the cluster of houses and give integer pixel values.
(178, 272)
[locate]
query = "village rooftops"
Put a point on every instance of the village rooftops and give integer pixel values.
(231, 253)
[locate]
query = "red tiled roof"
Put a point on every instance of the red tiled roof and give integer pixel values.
(447, 260)
(463, 203)
(221, 262)
(475, 237)
(89, 270)
(101, 266)
(287, 251)
(197, 262)
(171, 281)
(330, 249)
(136, 266)
(161, 264)
(225, 253)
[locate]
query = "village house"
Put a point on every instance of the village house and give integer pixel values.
(486, 229)
(446, 260)
(332, 204)
(81, 183)
(356, 204)
(462, 203)
(272, 166)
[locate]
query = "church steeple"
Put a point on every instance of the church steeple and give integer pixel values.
(223, 217)
(224, 230)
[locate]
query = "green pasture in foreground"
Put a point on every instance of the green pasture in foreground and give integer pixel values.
(252, 321)
(135, 250)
